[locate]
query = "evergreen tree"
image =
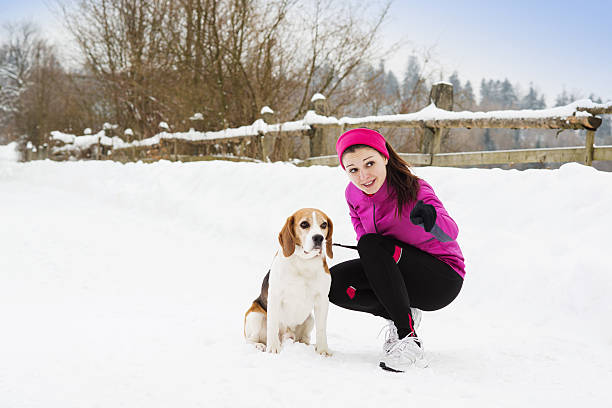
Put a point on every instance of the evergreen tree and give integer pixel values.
(468, 94)
(532, 100)
(562, 99)
(508, 98)
(491, 97)
(484, 92)
(392, 88)
(413, 91)
(464, 98)
(454, 79)
(411, 79)
(594, 98)
(379, 78)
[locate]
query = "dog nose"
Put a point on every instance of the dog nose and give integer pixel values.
(317, 239)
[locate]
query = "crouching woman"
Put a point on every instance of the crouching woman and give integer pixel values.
(409, 259)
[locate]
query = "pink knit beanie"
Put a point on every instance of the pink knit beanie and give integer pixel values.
(362, 136)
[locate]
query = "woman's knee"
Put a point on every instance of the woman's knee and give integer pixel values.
(375, 244)
(369, 240)
(343, 275)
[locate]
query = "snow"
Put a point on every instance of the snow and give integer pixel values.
(9, 153)
(64, 137)
(260, 127)
(313, 118)
(87, 140)
(432, 112)
(126, 285)
(317, 97)
(266, 109)
(589, 104)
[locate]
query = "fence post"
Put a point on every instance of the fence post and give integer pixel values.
(98, 149)
(441, 95)
(323, 139)
(267, 140)
(28, 151)
(198, 122)
(590, 141)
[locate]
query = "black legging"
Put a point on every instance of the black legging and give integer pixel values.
(383, 285)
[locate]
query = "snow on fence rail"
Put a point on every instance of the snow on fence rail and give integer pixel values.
(312, 139)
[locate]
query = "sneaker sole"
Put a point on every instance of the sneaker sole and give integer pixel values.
(384, 367)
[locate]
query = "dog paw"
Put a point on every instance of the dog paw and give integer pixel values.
(273, 348)
(324, 351)
(260, 346)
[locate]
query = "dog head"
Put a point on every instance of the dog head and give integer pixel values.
(305, 233)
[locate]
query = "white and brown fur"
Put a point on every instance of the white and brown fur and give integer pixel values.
(297, 283)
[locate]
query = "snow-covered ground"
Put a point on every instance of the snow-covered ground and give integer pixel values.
(8, 153)
(126, 286)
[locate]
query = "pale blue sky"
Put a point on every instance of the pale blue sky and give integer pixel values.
(555, 44)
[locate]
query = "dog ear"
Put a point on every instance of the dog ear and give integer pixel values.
(328, 239)
(287, 237)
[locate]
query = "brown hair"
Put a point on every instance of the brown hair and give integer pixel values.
(404, 183)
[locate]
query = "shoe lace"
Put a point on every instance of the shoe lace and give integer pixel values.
(408, 347)
(390, 333)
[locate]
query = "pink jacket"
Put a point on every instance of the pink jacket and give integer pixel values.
(376, 214)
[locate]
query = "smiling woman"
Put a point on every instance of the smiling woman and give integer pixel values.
(366, 168)
(406, 263)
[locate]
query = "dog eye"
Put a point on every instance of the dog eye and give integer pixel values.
(304, 224)
(324, 225)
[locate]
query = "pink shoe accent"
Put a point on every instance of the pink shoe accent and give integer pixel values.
(350, 291)
(397, 254)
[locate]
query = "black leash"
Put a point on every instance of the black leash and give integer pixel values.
(346, 246)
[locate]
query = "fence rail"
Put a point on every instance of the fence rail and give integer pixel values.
(312, 140)
(551, 155)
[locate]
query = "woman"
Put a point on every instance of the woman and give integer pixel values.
(408, 257)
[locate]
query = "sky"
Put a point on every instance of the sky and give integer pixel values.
(554, 44)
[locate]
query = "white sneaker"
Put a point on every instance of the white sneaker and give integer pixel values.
(416, 316)
(391, 336)
(405, 353)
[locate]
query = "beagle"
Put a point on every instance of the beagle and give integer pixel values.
(297, 282)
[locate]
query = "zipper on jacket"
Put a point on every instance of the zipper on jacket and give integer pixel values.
(374, 217)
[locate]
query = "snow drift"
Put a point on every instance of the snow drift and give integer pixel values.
(126, 285)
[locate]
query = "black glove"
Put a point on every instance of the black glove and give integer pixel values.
(424, 214)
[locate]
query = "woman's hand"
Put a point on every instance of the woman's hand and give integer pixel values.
(424, 214)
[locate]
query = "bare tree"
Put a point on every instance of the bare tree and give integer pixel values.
(165, 60)
(16, 62)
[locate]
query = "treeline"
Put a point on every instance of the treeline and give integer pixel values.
(387, 94)
(143, 62)
(147, 61)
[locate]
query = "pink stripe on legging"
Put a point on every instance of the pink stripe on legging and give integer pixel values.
(411, 326)
(397, 254)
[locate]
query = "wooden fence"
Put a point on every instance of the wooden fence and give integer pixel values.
(312, 140)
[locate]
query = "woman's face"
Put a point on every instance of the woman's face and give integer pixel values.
(366, 168)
